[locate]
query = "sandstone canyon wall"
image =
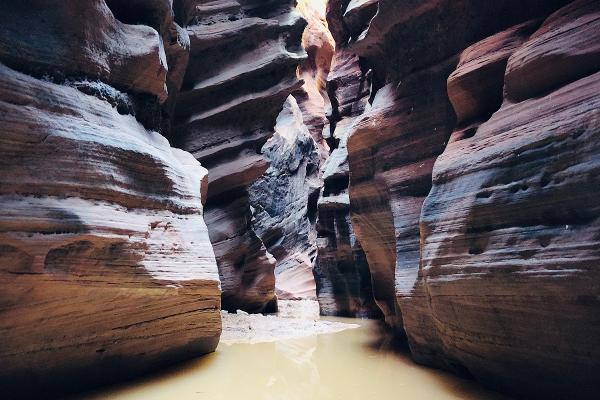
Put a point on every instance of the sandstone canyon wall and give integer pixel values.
(284, 199)
(472, 173)
(284, 203)
(300, 205)
(320, 49)
(341, 270)
(510, 229)
(106, 266)
(243, 61)
(436, 163)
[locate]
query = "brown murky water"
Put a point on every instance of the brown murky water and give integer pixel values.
(353, 364)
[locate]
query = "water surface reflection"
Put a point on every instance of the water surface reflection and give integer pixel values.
(353, 364)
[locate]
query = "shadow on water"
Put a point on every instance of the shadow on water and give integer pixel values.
(384, 341)
(362, 364)
(166, 374)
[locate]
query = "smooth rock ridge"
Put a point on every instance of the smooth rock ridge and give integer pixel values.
(510, 230)
(488, 249)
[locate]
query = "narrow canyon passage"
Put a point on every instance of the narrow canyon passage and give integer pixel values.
(300, 199)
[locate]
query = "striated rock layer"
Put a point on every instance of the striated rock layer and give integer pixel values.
(341, 269)
(511, 227)
(284, 202)
(391, 159)
(159, 15)
(106, 266)
(486, 257)
(243, 61)
(394, 145)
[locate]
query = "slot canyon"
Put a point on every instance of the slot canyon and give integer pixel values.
(300, 199)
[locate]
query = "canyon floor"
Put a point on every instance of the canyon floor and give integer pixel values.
(296, 319)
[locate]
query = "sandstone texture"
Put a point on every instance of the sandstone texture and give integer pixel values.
(341, 270)
(475, 88)
(284, 200)
(320, 48)
(510, 229)
(394, 144)
(391, 159)
(434, 163)
(472, 178)
(159, 15)
(243, 61)
(348, 19)
(106, 267)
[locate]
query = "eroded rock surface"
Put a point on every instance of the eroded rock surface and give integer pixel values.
(480, 256)
(510, 228)
(128, 57)
(243, 61)
(475, 88)
(341, 269)
(391, 159)
(284, 202)
(159, 15)
(320, 48)
(106, 266)
(394, 145)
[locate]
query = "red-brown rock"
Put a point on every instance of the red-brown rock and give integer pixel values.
(510, 235)
(320, 48)
(106, 268)
(565, 48)
(159, 15)
(58, 42)
(341, 270)
(493, 270)
(225, 113)
(475, 88)
(392, 148)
